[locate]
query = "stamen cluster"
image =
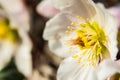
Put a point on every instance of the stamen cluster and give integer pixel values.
(91, 39)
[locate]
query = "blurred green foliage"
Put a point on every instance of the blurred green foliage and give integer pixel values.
(10, 72)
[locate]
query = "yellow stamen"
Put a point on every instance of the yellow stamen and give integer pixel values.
(69, 27)
(67, 33)
(75, 56)
(79, 17)
(3, 31)
(7, 33)
(91, 38)
(73, 23)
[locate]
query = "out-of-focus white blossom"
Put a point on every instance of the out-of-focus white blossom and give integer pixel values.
(15, 42)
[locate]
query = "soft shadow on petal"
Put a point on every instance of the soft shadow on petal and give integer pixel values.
(56, 26)
(23, 55)
(71, 70)
(58, 47)
(55, 32)
(107, 68)
(3, 14)
(83, 8)
(111, 30)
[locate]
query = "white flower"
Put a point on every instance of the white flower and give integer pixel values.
(56, 27)
(89, 38)
(15, 43)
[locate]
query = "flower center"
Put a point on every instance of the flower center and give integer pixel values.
(90, 38)
(7, 33)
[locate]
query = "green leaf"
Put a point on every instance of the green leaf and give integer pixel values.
(10, 72)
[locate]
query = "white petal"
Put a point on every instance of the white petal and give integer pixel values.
(18, 14)
(84, 8)
(58, 48)
(115, 11)
(111, 32)
(110, 26)
(6, 53)
(23, 55)
(56, 26)
(55, 31)
(71, 70)
(107, 68)
(13, 5)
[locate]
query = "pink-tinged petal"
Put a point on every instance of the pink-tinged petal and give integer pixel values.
(71, 70)
(116, 12)
(17, 13)
(83, 8)
(23, 58)
(47, 9)
(108, 68)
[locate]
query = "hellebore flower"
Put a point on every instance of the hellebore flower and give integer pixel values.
(15, 43)
(91, 37)
(92, 15)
